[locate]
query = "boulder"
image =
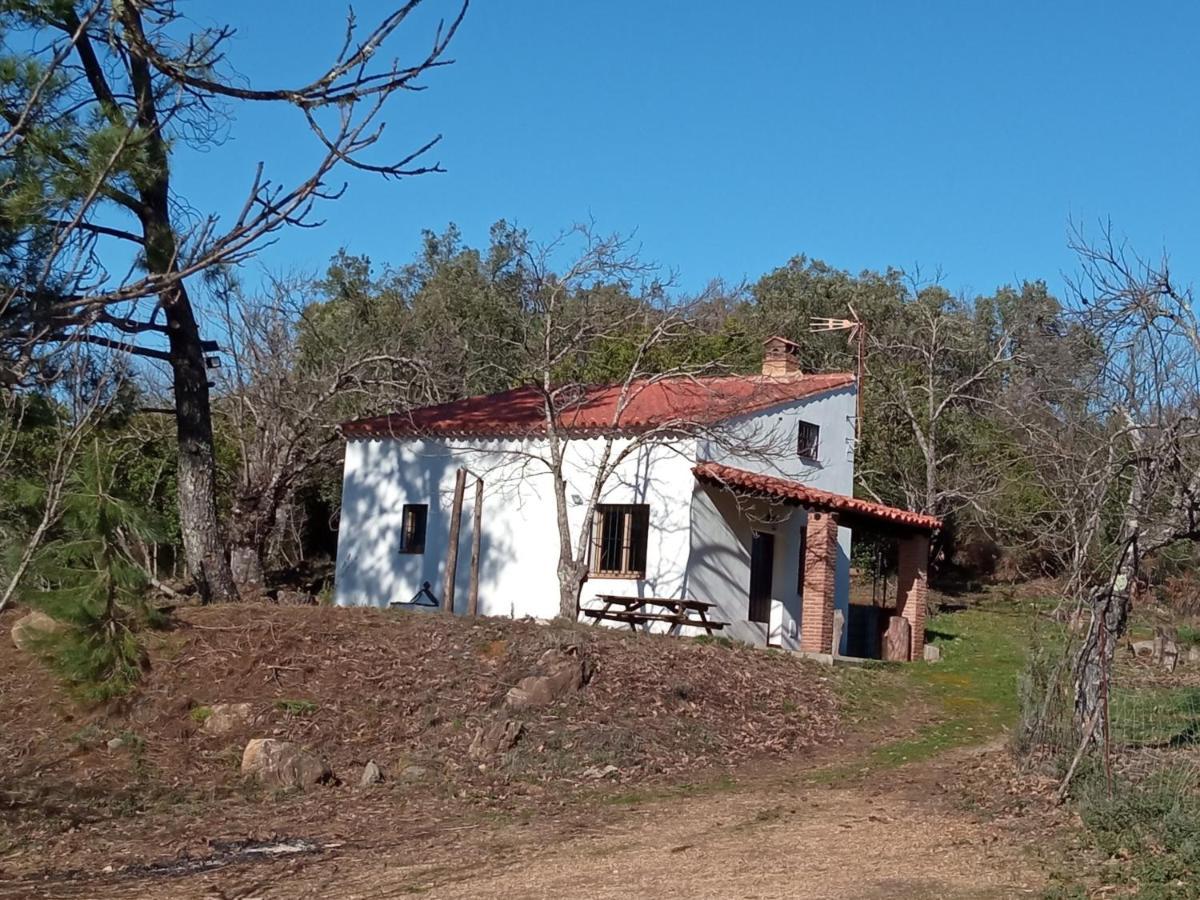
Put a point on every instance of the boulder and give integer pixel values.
(372, 774)
(413, 773)
(933, 653)
(27, 629)
(839, 626)
(283, 763)
(494, 738)
(226, 717)
(897, 640)
(561, 672)
(1193, 655)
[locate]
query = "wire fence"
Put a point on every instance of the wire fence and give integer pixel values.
(1137, 783)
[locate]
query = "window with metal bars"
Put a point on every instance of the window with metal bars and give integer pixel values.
(619, 537)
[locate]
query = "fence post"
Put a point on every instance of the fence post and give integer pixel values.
(460, 483)
(476, 530)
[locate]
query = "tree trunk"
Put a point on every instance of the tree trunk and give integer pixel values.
(571, 576)
(246, 566)
(203, 543)
(1093, 669)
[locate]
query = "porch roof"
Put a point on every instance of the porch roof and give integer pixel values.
(796, 493)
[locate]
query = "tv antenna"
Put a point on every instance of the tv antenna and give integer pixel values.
(856, 336)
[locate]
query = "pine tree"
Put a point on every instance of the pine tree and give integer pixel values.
(88, 579)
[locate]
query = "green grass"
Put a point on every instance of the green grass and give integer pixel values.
(296, 707)
(1189, 635)
(1155, 715)
(971, 694)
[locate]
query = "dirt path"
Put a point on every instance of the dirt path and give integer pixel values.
(897, 835)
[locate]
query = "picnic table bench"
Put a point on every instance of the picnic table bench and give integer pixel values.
(635, 611)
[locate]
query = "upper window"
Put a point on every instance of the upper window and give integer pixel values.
(412, 527)
(619, 538)
(809, 440)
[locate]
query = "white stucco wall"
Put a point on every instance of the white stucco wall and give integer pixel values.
(699, 536)
(519, 539)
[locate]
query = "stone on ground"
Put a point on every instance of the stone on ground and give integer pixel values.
(27, 629)
(561, 672)
(933, 653)
(372, 774)
(283, 763)
(225, 717)
(897, 640)
(495, 737)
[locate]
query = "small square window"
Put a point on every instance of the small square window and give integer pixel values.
(809, 440)
(412, 527)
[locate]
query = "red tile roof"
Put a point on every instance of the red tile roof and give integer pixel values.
(795, 492)
(661, 403)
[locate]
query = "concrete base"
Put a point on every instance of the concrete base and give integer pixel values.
(830, 659)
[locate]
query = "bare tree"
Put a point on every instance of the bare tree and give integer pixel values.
(601, 316)
(1146, 395)
(282, 407)
(930, 369)
(110, 88)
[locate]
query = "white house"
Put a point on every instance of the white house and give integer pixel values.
(735, 490)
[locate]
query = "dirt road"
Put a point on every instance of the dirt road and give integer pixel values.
(896, 834)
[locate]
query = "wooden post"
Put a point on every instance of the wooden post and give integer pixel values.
(476, 533)
(460, 484)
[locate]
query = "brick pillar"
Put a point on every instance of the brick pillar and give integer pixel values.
(820, 576)
(912, 588)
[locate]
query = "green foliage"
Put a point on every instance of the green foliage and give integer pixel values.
(86, 579)
(200, 714)
(297, 708)
(1152, 824)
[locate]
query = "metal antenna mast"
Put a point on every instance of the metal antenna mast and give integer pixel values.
(856, 330)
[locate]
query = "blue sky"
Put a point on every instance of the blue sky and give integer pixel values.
(731, 136)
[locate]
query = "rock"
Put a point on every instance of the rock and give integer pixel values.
(283, 763)
(839, 625)
(1193, 656)
(494, 738)
(116, 743)
(1170, 655)
(598, 772)
(413, 773)
(372, 774)
(225, 717)
(561, 673)
(1142, 648)
(27, 629)
(897, 640)
(933, 653)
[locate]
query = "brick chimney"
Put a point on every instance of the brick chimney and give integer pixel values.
(781, 357)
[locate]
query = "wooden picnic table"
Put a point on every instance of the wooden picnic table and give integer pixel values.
(634, 611)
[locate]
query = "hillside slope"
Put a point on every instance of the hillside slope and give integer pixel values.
(406, 690)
